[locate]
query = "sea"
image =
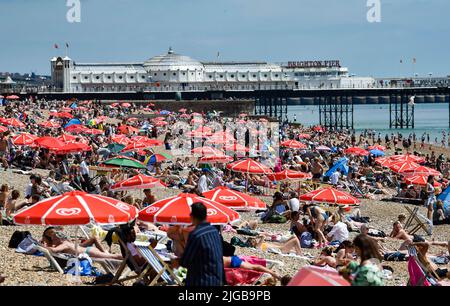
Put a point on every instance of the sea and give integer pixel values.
(429, 118)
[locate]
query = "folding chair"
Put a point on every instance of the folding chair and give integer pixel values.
(420, 275)
(417, 221)
(155, 262)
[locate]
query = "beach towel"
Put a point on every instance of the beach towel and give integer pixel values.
(241, 276)
(254, 260)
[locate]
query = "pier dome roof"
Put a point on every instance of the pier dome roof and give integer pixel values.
(172, 61)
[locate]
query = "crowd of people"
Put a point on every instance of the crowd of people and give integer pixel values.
(326, 156)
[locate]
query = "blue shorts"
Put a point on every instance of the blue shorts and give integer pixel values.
(235, 262)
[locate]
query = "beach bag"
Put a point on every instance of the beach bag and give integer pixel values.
(277, 219)
(17, 238)
(27, 246)
(85, 267)
(306, 240)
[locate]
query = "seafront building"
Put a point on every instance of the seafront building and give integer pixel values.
(175, 72)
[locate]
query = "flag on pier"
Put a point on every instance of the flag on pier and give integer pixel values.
(67, 45)
(56, 46)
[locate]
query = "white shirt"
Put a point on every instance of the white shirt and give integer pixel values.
(339, 232)
(28, 190)
(202, 184)
(294, 204)
(334, 178)
(84, 169)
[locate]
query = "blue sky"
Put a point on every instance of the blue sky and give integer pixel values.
(269, 30)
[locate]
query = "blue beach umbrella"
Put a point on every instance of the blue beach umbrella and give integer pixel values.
(445, 197)
(341, 164)
(377, 153)
(73, 121)
(164, 112)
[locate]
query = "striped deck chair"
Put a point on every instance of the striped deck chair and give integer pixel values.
(157, 264)
(418, 274)
(417, 221)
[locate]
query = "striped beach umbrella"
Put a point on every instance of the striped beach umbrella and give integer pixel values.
(234, 199)
(330, 196)
(140, 181)
(249, 166)
(176, 211)
(289, 175)
(76, 208)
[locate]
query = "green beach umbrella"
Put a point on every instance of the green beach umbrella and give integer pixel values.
(115, 147)
(125, 162)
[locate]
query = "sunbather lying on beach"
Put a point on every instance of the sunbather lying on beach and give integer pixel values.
(326, 258)
(236, 262)
(91, 247)
(292, 244)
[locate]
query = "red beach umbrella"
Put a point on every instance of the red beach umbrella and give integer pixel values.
(12, 97)
(92, 131)
(377, 147)
(356, 151)
(408, 158)
(48, 142)
(121, 139)
(73, 147)
(330, 196)
(249, 166)
(126, 105)
(62, 115)
(24, 139)
(127, 129)
(317, 276)
(304, 136)
(422, 170)
(234, 199)
(13, 122)
(287, 175)
(293, 144)
(419, 180)
(138, 182)
(236, 148)
(177, 210)
(3, 129)
(66, 138)
(403, 166)
(75, 128)
(50, 124)
(76, 208)
(220, 159)
(136, 146)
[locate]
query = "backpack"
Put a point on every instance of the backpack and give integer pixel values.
(17, 237)
(306, 240)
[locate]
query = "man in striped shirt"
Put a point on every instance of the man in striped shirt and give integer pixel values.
(203, 256)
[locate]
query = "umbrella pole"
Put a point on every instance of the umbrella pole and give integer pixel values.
(77, 262)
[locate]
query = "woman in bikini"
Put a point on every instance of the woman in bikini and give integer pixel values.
(91, 247)
(326, 258)
(292, 244)
(318, 218)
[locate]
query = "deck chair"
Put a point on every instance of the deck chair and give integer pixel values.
(419, 275)
(157, 264)
(356, 191)
(417, 221)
